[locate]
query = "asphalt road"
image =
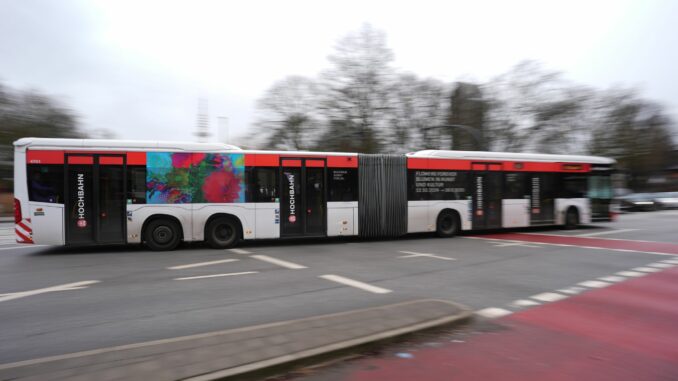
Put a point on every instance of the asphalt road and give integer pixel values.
(58, 300)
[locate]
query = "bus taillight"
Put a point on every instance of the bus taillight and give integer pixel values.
(17, 211)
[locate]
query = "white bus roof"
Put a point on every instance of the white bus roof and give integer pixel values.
(481, 155)
(104, 144)
(149, 145)
(53, 144)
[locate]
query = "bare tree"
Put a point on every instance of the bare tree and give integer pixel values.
(356, 91)
(418, 110)
(30, 114)
(289, 114)
(636, 132)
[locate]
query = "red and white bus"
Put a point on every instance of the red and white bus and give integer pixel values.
(88, 192)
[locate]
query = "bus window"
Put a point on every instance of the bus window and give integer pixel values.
(136, 184)
(343, 184)
(46, 183)
(514, 186)
(572, 186)
(600, 187)
(262, 184)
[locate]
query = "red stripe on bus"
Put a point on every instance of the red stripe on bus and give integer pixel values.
(87, 160)
(273, 160)
(44, 157)
(508, 166)
(290, 163)
(315, 163)
(250, 160)
(342, 161)
(57, 157)
(136, 158)
(110, 160)
(265, 160)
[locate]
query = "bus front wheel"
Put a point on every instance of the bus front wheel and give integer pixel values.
(447, 224)
(162, 235)
(222, 233)
(571, 218)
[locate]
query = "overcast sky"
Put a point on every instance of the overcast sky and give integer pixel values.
(139, 67)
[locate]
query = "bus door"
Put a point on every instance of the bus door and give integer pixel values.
(95, 199)
(542, 198)
(487, 195)
(303, 199)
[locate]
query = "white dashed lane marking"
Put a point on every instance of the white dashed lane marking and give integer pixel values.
(672, 261)
(240, 251)
(612, 278)
(63, 287)
(217, 275)
(355, 283)
(661, 265)
(413, 254)
(572, 290)
(646, 269)
(524, 303)
(191, 265)
(564, 293)
(279, 262)
(631, 273)
(493, 312)
(548, 297)
(594, 284)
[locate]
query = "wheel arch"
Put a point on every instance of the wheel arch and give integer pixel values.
(226, 215)
(161, 216)
(462, 207)
(577, 212)
(451, 210)
(457, 222)
(572, 207)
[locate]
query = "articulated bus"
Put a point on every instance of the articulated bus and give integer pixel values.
(90, 192)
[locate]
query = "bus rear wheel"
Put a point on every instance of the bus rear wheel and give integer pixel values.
(447, 224)
(162, 235)
(222, 233)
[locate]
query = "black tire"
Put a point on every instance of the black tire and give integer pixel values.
(447, 224)
(222, 233)
(571, 219)
(162, 235)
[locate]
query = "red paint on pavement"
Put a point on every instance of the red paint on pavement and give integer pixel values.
(654, 247)
(628, 331)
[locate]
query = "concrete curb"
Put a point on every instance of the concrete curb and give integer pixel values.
(294, 357)
(221, 354)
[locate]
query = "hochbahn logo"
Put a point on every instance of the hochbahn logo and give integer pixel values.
(82, 222)
(292, 202)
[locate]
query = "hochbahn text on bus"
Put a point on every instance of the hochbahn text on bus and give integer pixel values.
(90, 192)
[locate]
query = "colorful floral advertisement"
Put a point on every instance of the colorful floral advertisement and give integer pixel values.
(178, 178)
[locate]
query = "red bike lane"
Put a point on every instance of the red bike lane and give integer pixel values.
(628, 331)
(585, 242)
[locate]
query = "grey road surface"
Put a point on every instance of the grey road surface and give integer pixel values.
(62, 300)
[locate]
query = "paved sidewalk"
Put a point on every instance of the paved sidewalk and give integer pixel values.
(227, 353)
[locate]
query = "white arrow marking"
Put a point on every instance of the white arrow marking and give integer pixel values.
(413, 254)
